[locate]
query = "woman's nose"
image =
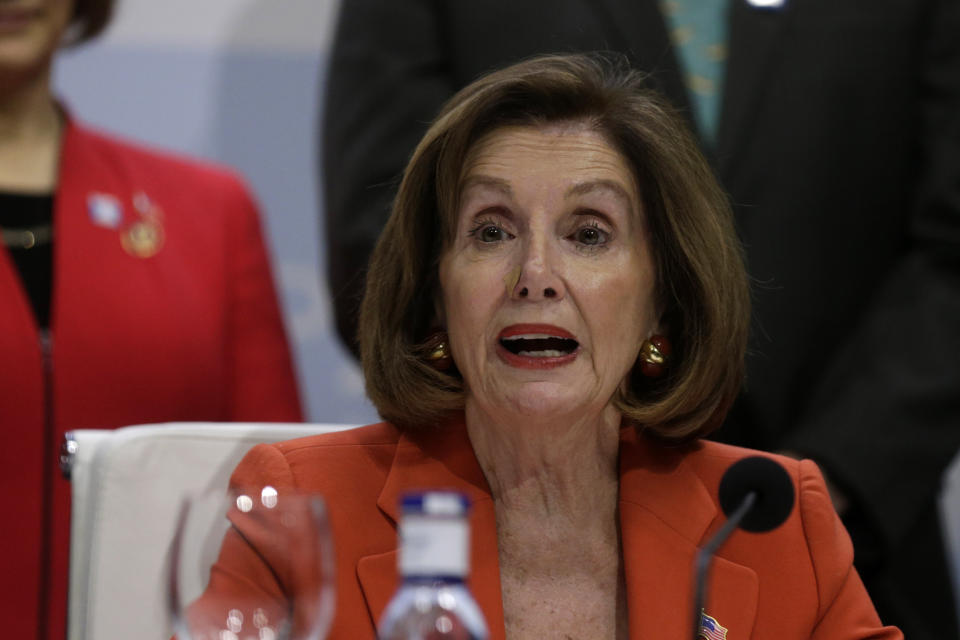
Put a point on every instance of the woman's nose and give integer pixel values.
(538, 278)
(548, 292)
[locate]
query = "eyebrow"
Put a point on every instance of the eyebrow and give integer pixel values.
(601, 185)
(497, 184)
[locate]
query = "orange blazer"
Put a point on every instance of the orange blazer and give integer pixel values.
(797, 582)
(180, 324)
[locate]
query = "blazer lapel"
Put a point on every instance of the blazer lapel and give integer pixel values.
(378, 580)
(440, 459)
(88, 251)
(665, 513)
(753, 40)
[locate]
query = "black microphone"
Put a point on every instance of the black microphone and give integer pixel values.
(756, 494)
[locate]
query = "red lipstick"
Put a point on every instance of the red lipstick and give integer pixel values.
(15, 18)
(534, 329)
(536, 346)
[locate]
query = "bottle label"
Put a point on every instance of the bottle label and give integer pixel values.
(434, 546)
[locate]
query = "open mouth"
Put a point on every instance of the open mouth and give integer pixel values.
(538, 345)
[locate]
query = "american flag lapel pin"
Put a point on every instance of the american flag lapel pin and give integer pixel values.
(710, 629)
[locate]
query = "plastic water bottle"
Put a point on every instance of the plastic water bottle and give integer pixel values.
(433, 602)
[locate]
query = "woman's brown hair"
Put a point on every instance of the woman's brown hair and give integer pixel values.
(701, 282)
(90, 18)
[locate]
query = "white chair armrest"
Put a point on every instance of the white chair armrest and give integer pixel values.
(127, 487)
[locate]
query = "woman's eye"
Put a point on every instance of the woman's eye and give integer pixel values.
(491, 233)
(590, 236)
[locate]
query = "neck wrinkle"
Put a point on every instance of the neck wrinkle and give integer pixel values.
(553, 469)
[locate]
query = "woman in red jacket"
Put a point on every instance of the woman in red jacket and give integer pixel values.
(134, 288)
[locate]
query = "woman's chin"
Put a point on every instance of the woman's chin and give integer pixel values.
(548, 400)
(21, 58)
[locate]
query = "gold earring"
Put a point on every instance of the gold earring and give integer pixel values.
(438, 351)
(654, 354)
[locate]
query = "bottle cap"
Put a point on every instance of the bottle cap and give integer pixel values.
(434, 535)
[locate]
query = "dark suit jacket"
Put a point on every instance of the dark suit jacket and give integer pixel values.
(839, 143)
(795, 583)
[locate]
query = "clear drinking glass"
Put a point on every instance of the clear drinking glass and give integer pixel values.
(252, 566)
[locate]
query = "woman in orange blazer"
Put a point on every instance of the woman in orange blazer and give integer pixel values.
(134, 288)
(796, 582)
(555, 314)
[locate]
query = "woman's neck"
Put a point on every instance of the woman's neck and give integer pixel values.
(555, 491)
(30, 131)
(548, 468)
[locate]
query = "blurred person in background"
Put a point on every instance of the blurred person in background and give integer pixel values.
(835, 127)
(134, 288)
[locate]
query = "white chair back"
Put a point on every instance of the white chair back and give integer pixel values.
(127, 486)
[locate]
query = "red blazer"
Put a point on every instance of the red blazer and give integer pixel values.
(180, 325)
(797, 582)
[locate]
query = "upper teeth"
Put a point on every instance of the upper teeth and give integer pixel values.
(531, 336)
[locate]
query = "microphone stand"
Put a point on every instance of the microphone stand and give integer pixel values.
(705, 556)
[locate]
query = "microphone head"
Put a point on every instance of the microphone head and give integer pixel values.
(774, 489)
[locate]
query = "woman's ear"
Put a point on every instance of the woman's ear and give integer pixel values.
(661, 326)
(439, 313)
(439, 310)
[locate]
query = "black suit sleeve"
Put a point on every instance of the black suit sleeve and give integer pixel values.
(885, 418)
(387, 80)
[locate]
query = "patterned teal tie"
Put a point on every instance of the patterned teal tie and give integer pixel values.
(698, 29)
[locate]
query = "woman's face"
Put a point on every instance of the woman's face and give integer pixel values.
(548, 286)
(30, 31)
